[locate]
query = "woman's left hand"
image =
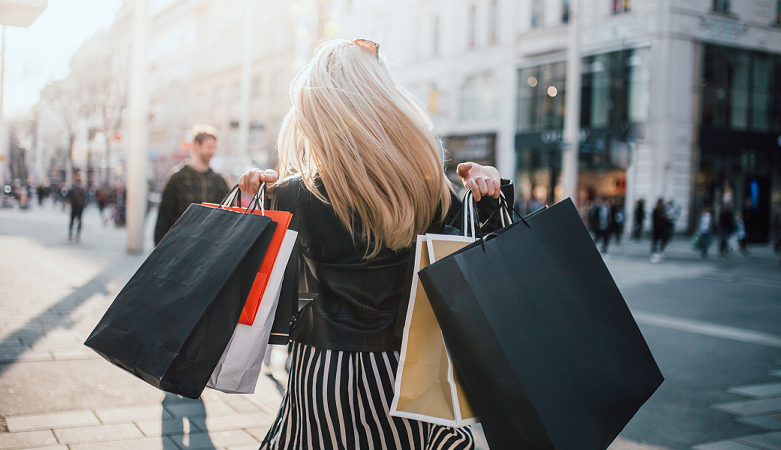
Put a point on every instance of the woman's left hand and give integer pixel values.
(481, 180)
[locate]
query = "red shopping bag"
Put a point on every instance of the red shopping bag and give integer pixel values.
(282, 219)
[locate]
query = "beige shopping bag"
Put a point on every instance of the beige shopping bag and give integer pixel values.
(427, 385)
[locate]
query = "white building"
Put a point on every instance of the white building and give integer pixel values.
(680, 99)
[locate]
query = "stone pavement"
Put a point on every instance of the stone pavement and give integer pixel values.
(57, 394)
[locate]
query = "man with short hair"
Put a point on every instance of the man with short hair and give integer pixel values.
(191, 182)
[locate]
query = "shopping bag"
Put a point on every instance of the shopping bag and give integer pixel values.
(427, 387)
(545, 345)
(171, 322)
(282, 219)
(238, 369)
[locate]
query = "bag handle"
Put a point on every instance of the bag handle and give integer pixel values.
(254, 204)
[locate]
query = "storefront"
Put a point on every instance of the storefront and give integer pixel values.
(740, 137)
(614, 110)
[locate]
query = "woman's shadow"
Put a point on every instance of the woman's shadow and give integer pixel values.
(187, 428)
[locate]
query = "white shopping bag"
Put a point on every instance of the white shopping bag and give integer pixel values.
(238, 370)
(427, 387)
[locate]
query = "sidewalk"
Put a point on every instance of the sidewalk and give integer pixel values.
(58, 394)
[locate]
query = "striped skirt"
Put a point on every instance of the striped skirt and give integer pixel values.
(340, 400)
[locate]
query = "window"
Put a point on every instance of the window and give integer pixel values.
(538, 13)
(721, 6)
(620, 6)
(478, 97)
(472, 28)
(493, 18)
(541, 95)
(741, 90)
(565, 11)
(606, 101)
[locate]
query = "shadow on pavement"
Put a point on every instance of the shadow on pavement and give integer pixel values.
(56, 316)
(189, 419)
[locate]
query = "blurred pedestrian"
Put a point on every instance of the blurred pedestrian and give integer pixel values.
(617, 215)
(660, 230)
(726, 228)
(639, 219)
(77, 198)
(740, 234)
(704, 228)
(601, 222)
(191, 182)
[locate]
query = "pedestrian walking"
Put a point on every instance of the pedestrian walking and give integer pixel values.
(191, 182)
(601, 222)
(726, 228)
(617, 215)
(638, 219)
(361, 196)
(660, 231)
(77, 198)
(704, 228)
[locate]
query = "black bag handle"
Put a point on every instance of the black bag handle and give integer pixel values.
(254, 204)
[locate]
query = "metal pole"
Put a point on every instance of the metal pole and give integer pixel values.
(138, 102)
(3, 135)
(569, 175)
(246, 66)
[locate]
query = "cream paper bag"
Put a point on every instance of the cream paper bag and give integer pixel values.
(238, 369)
(427, 386)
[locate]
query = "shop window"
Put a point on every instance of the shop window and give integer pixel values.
(541, 98)
(538, 13)
(722, 6)
(493, 22)
(565, 11)
(620, 6)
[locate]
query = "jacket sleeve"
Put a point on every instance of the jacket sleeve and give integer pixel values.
(166, 216)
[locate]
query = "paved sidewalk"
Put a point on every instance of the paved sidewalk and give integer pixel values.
(57, 394)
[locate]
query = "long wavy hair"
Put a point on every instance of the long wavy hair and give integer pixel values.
(369, 141)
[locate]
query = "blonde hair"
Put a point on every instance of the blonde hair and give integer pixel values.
(369, 141)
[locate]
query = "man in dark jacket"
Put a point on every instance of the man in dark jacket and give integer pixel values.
(191, 182)
(77, 198)
(660, 225)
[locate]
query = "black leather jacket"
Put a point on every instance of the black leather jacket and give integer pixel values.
(356, 301)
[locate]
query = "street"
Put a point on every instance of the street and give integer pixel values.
(714, 327)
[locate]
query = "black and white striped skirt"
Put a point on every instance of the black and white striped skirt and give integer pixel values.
(340, 400)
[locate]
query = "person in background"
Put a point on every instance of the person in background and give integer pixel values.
(639, 219)
(617, 213)
(660, 229)
(704, 227)
(191, 182)
(726, 228)
(601, 222)
(77, 197)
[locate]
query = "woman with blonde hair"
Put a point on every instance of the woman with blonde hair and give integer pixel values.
(361, 172)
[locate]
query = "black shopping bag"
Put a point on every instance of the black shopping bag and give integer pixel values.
(546, 346)
(172, 321)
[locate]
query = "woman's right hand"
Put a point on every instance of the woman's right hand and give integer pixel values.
(249, 182)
